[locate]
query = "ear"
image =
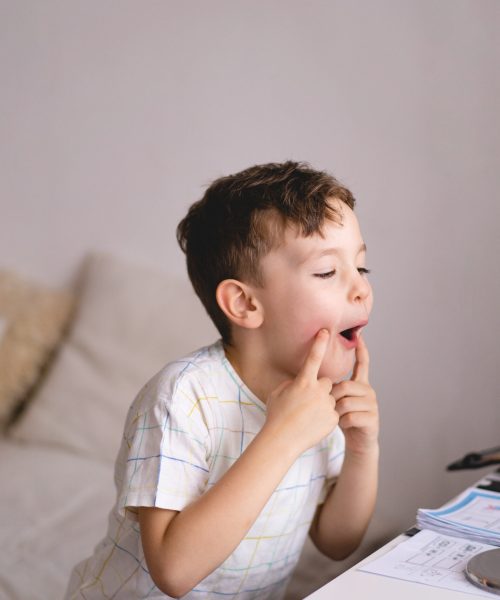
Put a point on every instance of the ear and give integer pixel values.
(238, 302)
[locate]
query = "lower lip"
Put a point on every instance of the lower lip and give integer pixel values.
(349, 344)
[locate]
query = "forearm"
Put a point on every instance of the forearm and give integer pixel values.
(343, 519)
(205, 533)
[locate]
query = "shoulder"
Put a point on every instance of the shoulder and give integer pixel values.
(201, 368)
(182, 382)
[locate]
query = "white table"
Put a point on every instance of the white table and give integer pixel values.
(358, 585)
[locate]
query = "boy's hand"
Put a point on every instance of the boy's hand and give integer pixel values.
(302, 409)
(356, 405)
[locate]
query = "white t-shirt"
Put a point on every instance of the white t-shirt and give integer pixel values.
(184, 430)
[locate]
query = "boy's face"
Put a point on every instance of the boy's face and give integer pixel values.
(311, 283)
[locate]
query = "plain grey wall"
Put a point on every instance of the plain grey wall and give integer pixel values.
(115, 115)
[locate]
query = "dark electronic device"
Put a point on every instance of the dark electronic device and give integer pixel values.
(475, 460)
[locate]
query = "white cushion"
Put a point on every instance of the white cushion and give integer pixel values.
(130, 321)
(57, 505)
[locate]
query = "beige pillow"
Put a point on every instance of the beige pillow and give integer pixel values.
(32, 320)
(130, 321)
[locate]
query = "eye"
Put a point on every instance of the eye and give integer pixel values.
(363, 271)
(325, 275)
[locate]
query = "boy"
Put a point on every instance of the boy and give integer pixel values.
(232, 455)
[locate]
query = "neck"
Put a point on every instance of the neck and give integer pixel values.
(249, 359)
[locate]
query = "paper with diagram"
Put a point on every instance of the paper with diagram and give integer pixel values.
(433, 559)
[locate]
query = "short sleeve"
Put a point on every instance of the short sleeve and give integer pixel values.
(168, 443)
(336, 453)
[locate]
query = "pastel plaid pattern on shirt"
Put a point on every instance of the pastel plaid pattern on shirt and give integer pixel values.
(184, 430)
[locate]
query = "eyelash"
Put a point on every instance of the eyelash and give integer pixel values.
(361, 271)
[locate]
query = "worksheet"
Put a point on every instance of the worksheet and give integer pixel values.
(432, 559)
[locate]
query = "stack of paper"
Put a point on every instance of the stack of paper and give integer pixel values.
(474, 515)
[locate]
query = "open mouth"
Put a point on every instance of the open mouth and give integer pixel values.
(350, 333)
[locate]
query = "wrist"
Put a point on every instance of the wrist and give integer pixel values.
(369, 454)
(279, 442)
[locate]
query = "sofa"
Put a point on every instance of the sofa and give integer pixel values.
(72, 361)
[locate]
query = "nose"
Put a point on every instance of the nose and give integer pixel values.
(360, 287)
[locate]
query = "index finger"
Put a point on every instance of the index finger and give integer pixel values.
(312, 364)
(362, 364)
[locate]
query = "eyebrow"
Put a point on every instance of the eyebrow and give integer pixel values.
(313, 255)
(362, 248)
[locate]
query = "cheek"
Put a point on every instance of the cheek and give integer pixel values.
(304, 316)
(319, 319)
(369, 302)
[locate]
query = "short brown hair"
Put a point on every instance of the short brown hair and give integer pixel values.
(227, 232)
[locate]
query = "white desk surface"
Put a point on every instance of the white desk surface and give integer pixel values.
(358, 585)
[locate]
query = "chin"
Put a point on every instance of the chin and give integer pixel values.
(339, 378)
(337, 374)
